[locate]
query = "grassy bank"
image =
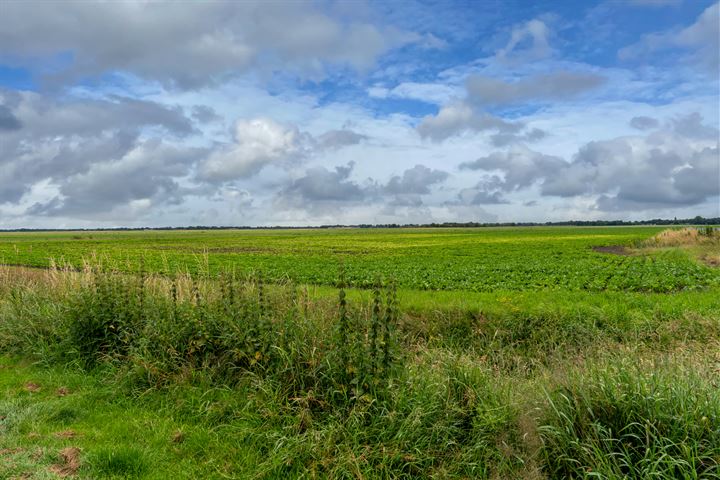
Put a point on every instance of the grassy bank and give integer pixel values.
(233, 378)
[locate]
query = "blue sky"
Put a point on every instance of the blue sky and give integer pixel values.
(293, 113)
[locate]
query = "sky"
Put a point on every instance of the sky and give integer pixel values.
(260, 113)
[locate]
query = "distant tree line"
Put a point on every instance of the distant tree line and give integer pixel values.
(577, 223)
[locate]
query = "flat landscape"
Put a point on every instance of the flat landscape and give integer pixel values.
(356, 239)
(475, 260)
(534, 352)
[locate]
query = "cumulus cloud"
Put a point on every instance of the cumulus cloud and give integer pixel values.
(321, 185)
(191, 44)
(691, 126)
(57, 140)
(468, 115)
(144, 176)
(547, 87)
(258, 142)
(521, 167)
(46, 116)
(459, 118)
(323, 189)
(486, 192)
(699, 42)
(672, 167)
(416, 180)
(628, 174)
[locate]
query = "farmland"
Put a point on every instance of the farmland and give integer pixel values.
(361, 353)
(479, 260)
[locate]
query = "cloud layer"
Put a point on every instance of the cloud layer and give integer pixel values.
(262, 113)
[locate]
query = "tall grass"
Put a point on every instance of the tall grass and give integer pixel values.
(684, 237)
(628, 422)
(347, 387)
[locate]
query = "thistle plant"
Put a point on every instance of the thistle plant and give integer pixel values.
(343, 325)
(388, 323)
(375, 327)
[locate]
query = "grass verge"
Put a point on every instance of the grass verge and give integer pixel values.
(140, 377)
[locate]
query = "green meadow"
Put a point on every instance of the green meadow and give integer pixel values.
(528, 353)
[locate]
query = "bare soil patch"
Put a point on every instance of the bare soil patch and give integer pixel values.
(69, 462)
(62, 391)
(613, 250)
(32, 387)
(66, 434)
(11, 451)
(711, 260)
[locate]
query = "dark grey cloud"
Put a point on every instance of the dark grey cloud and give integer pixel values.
(46, 116)
(631, 176)
(692, 180)
(488, 191)
(320, 184)
(335, 139)
(404, 200)
(700, 176)
(678, 166)
(481, 194)
(189, 44)
(691, 126)
(147, 175)
(542, 88)
(204, 114)
(8, 121)
(321, 189)
(416, 180)
(644, 123)
(85, 148)
(520, 166)
(527, 136)
(458, 118)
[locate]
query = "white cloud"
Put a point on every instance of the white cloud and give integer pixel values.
(433, 93)
(258, 142)
(537, 33)
(700, 42)
(190, 44)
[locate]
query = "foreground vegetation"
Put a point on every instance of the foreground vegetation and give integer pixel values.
(142, 376)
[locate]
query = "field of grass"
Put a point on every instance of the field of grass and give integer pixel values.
(240, 354)
(482, 260)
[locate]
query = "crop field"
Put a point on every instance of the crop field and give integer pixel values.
(491, 353)
(481, 260)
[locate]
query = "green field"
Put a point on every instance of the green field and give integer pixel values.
(494, 353)
(481, 260)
